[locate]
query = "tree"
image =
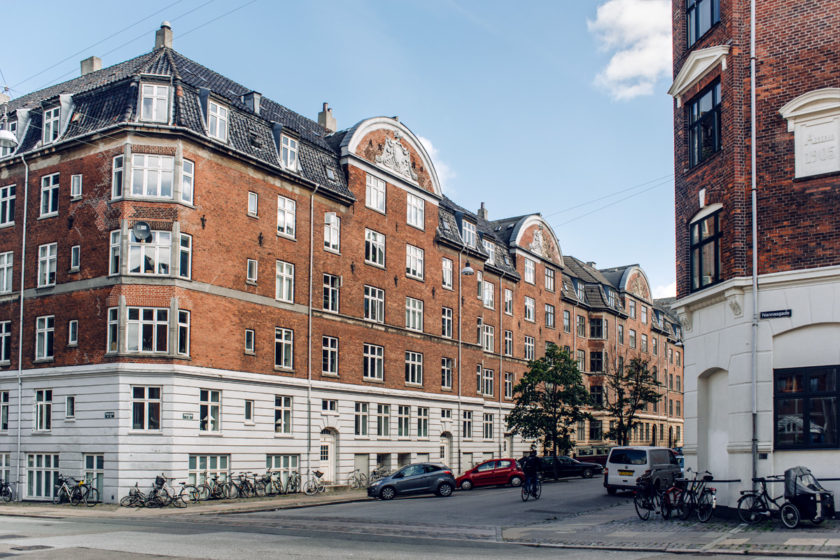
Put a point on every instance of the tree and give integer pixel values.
(627, 391)
(549, 401)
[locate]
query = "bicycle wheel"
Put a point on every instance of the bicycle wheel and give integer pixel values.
(643, 506)
(230, 491)
(705, 506)
(77, 495)
(91, 497)
(750, 507)
(672, 503)
(689, 504)
(310, 488)
(790, 515)
(363, 480)
(537, 490)
(351, 480)
(7, 494)
(525, 492)
(260, 489)
(59, 496)
(127, 501)
(189, 493)
(292, 485)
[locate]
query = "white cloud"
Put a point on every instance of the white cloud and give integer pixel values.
(638, 33)
(665, 291)
(444, 172)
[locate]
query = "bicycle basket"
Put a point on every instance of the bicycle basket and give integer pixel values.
(800, 481)
(319, 474)
(159, 482)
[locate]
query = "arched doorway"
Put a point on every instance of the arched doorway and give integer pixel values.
(446, 448)
(329, 454)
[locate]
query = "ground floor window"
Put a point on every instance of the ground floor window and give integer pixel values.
(41, 474)
(203, 466)
(282, 464)
(95, 471)
(806, 407)
(5, 466)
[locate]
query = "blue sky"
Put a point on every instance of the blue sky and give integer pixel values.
(557, 107)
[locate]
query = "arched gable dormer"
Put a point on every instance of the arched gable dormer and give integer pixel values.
(635, 282)
(535, 235)
(388, 145)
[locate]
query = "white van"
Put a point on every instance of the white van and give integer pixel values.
(626, 464)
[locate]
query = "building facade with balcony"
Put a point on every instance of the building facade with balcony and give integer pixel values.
(197, 280)
(779, 358)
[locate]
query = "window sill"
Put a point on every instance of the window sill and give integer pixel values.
(418, 278)
(43, 360)
(73, 345)
(73, 270)
(286, 236)
(418, 385)
(373, 380)
(333, 251)
(250, 353)
(329, 413)
(450, 288)
(45, 216)
(284, 436)
(7, 225)
(47, 287)
(255, 216)
(446, 389)
(279, 369)
(41, 432)
(145, 432)
(330, 375)
(250, 423)
(209, 434)
(375, 265)
(75, 198)
(377, 210)
(5, 363)
(251, 282)
(72, 420)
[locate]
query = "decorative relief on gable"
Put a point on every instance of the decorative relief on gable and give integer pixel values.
(637, 286)
(814, 119)
(541, 243)
(735, 299)
(396, 157)
(684, 316)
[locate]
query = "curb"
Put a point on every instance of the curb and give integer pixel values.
(704, 552)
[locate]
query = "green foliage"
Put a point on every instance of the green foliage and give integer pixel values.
(627, 391)
(549, 401)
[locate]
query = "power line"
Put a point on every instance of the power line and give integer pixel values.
(663, 183)
(217, 18)
(87, 49)
(610, 195)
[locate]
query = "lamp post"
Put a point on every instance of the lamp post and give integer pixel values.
(9, 140)
(465, 271)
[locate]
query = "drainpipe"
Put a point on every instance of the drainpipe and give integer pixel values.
(20, 324)
(501, 364)
(754, 215)
(309, 335)
(460, 369)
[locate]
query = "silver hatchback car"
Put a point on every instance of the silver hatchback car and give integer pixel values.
(418, 478)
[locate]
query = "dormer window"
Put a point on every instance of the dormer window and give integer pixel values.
(491, 251)
(51, 120)
(11, 126)
(468, 231)
(154, 105)
(289, 152)
(217, 121)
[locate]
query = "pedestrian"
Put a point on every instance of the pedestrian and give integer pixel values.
(531, 467)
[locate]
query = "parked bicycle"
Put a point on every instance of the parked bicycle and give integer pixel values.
(67, 490)
(532, 490)
(648, 498)
(135, 497)
(293, 484)
(7, 491)
(688, 496)
(211, 488)
(315, 484)
(379, 472)
(357, 479)
(802, 490)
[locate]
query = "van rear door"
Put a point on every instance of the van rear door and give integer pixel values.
(626, 465)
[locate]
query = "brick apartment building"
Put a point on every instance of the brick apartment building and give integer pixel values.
(788, 341)
(214, 283)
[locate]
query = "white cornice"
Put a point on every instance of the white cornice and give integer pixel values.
(698, 64)
(814, 104)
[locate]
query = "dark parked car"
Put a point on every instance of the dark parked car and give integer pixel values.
(558, 467)
(419, 478)
(490, 473)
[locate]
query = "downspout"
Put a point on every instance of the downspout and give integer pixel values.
(309, 335)
(754, 215)
(458, 429)
(501, 364)
(20, 324)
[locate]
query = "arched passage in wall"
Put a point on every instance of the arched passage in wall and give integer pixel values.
(713, 421)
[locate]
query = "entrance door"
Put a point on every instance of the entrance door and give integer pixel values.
(446, 449)
(328, 455)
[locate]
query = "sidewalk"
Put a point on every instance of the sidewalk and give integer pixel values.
(618, 528)
(211, 507)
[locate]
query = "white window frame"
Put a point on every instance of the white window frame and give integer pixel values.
(76, 186)
(283, 417)
(251, 270)
(422, 422)
(413, 368)
(489, 299)
(187, 181)
(469, 233)
(250, 342)
(383, 420)
(329, 406)
(117, 175)
(488, 341)
(530, 309)
(285, 282)
(415, 211)
(5, 342)
(508, 351)
(6, 271)
(329, 355)
(284, 345)
(331, 292)
(529, 348)
(446, 366)
(253, 203)
(152, 176)
(488, 426)
(446, 273)
(530, 271)
(414, 262)
(183, 333)
(73, 332)
(209, 466)
(75, 257)
(374, 248)
(332, 232)
(289, 152)
(490, 247)
(11, 126)
(217, 120)
(49, 195)
(373, 366)
(414, 314)
(154, 103)
(114, 253)
(286, 216)
(550, 318)
(7, 205)
(550, 279)
(43, 410)
(508, 385)
(375, 193)
(50, 126)
(45, 337)
(374, 304)
(41, 475)
(154, 320)
(488, 382)
(446, 321)
(466, 424)
(112, 343)
(403, 421)
(185, 256)
(360, 419)
(508, 302)
(147, 399)
(70, 407)
(157, 251)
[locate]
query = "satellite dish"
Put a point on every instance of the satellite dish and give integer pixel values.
(142, 231)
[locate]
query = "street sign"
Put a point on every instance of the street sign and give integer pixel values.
(187, 416)
(109, 415)
(776, 314)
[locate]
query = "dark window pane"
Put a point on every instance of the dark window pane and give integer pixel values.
(137, 416)
(154, 416)
(790, 422)
(823, 421)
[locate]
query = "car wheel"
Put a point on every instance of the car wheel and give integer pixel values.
(387, 493)
(611, 491)
(466, 485)
(587, 473)
(515, 481)
(444, 490)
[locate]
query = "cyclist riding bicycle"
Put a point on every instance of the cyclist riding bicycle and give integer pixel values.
(531, 466)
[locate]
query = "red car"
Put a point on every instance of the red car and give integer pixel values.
(491, 473)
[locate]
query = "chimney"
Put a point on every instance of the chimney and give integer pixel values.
(591, 263)
(326, 118)
(163, 36)
(252, 100)
(91, 64)
(482, 212)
